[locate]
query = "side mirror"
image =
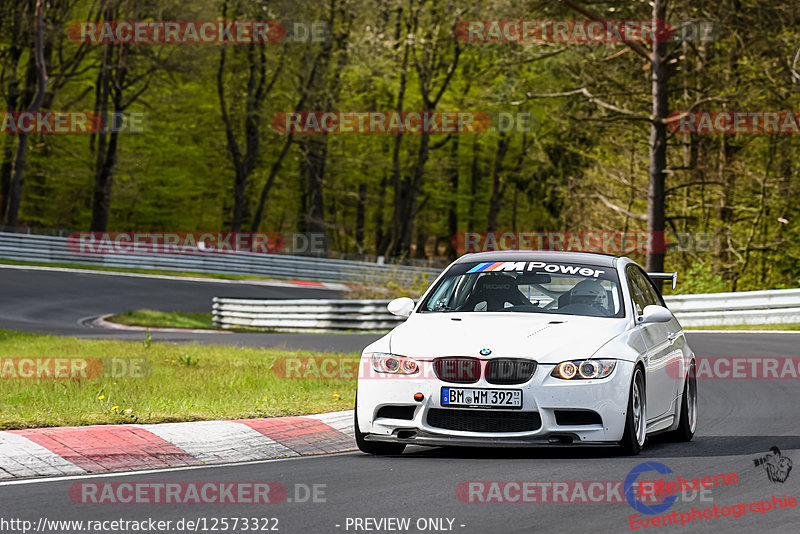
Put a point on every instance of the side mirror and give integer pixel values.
(402, 306)
(655, 314)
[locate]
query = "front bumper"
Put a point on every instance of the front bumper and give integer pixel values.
(543, 394)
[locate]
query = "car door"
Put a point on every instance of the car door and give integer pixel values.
(660, 386)
(675, 348)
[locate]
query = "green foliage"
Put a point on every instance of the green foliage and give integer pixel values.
(698, 278)
(585, 167)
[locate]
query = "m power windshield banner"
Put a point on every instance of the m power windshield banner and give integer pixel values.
(519, 266)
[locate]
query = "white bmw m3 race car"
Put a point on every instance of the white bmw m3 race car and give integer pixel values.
(533, 348)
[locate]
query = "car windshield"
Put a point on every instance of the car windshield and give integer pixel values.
(528, 286)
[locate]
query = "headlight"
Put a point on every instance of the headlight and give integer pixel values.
(583, 369)
(389, 363)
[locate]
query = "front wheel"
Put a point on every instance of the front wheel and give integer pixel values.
(636, 419)
(377, 448)
(688, 415)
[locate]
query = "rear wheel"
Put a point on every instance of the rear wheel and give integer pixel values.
(688, 415)
(636, 420)
(377, 448)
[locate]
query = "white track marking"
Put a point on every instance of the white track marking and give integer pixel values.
(21, 457)
(341, 421)
(219, 441)
(167, 469)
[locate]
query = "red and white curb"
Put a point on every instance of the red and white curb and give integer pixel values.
(109, 448)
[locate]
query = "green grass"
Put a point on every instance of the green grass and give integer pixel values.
(184, 383)
(787, 326)
(157, 319)
(132, 270)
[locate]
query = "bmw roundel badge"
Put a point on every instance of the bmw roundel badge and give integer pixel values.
(485, 352)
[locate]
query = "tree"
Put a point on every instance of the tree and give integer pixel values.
(658, 129)
(435, 57)
(17, 180)
(257, 89)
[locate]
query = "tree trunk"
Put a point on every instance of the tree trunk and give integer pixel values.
(452, 215)
(412, 189)
(498, 188)
(7, 167)
(397, 174)
(658, 147)
(360, 216)
(381, 238)
(101, 199)
(17, 179)
(273, 173)
(473, 185)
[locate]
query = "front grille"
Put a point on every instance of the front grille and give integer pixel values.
(507, 371)
(459, 370)
(396, 412)
(484, 421)
(577, 417)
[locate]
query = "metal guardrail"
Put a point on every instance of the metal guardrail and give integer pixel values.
(304, 315)
(777, 306)
(316, 315)
(53, 249)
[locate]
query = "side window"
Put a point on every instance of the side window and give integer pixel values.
(651, 295)
(636, 289)
(440, 300)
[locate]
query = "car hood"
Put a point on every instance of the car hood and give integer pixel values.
(545, 338)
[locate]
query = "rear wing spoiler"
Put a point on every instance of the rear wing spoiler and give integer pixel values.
(665, 276)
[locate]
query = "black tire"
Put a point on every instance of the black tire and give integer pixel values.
(634, 438)
(688, 414)
(378, 448)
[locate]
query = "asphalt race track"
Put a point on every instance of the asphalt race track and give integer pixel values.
(54, 302)
(740, 421)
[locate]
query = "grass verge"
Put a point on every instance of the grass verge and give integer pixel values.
(184, 383)
(157, 319)
(787, 327)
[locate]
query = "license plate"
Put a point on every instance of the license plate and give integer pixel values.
(482, 398)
